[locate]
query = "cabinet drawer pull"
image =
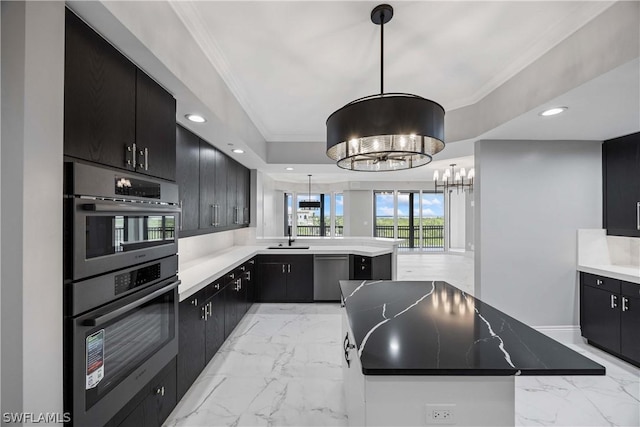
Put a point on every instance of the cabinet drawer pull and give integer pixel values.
(614, 301)
(625, 304)
(194, 301)
(638, 216)
(282, 268)
(288, 268)
(160, 391)
(217, 286)
(598, 282)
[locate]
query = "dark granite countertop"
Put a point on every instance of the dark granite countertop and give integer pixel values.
(433, 328)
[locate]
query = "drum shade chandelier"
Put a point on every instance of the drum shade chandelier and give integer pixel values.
(387, 131)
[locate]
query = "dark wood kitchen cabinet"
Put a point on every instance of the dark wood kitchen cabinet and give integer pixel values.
(285, 278)
(370, 268)
(610, 315)
(99, 98)
(112, 107)
(214, 324)
(207, 167)
(155, 128)
(153, 404)
(188, 177)
(191, 342)
(621, 189)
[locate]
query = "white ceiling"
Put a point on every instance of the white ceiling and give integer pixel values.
(291, 64)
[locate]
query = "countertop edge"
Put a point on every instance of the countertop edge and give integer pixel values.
(612, 273)
(238, 255)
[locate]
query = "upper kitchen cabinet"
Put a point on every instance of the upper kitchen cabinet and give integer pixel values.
(155, 128)
(238, 193)
(188, 177)
(621, 189)
(114, 114)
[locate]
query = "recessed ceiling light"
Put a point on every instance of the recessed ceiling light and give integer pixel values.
(237, 151)
(553, 111)
(195, 118)
(288, 169)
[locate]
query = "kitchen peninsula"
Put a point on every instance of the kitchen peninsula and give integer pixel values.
(416, 351)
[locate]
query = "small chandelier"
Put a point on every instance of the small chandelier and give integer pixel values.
(309, 203)
(452, 179)
(388, 131)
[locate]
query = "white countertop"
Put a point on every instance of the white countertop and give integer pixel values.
(199, 272)
(620, 272)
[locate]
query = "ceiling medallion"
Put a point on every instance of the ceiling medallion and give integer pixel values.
(387, 131)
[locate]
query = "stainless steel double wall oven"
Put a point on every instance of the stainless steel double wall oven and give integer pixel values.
(120, 286)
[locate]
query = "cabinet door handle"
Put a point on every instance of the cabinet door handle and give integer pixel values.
(203, 311)
(288, 268)
(146, 165)
(614, 301)
(216, 211)
(131, 155)
(282, 268)
(210, 308)
(598, 282)
(625, 304)
(160, 391)
(638, 216)
(181, 215)
(194, 301)
(217, 286)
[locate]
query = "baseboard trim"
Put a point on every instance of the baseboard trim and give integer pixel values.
(567, 334)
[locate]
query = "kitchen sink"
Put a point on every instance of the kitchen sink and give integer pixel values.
(288, 247)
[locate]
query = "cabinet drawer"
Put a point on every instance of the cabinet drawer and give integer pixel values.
(606, 283)
(629, 289)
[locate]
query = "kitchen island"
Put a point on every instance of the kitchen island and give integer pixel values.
(426, 353)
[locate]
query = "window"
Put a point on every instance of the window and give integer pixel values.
(313, 222)
(339, 215)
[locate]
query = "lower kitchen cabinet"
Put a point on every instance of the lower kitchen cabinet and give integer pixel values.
(370, 268)
(285, 278)
(206, 319)
(153, 404)
(610, 315)
(191, 343)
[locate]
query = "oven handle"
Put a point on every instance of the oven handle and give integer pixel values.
(115, 313)
(128, 207)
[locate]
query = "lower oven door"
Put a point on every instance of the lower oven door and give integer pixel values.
(119, 348)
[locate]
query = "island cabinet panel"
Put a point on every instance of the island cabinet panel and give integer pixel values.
(621, 172)
(370, 268)
(191, 342)
(188, 178)
(610, 315)
(285, 278)
(155, 128)
(99, 97)
(114, 114)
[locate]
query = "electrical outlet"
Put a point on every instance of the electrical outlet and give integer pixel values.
(443, 413)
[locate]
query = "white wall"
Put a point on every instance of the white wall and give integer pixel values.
(531, 197)
(457, 218)
(32, 140)
(270, 207)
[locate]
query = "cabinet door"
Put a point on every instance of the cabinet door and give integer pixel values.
(159, 404)
(215, 325)
(600, 317)
(300, 278)
(273, 281)
(230, 308)
(381, 267)
(99, 97)
(630, 328)
(242, 198)
(188, 177)
(207, 185)
(621, 159)
(155, 128)
(220, 188)
(232, 194)
(191, 341)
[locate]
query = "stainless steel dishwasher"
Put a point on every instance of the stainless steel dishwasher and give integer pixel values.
(327, 271)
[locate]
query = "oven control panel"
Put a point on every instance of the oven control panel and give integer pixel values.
(135, 278)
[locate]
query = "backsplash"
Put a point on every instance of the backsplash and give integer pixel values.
(596, 248)
(194, 247)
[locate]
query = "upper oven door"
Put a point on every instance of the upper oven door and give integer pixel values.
(110, 235)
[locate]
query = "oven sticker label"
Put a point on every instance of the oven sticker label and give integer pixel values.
(95, 359)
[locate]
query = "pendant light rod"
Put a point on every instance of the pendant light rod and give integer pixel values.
(380, 15)
(382, 56)
(309, 186)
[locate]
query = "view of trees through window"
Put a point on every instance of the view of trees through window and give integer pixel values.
(417, 218)
(314, 222)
